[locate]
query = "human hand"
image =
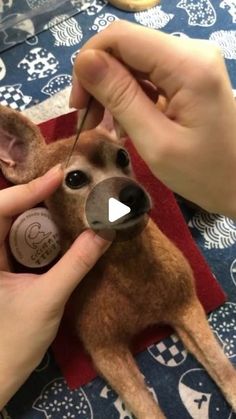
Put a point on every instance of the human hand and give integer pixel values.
(31, 306)
(191, 147)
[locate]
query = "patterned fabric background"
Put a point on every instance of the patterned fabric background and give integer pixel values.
(33, 70)
(21, 20)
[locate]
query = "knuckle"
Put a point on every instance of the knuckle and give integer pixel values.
(210, 67)
(213, 61)
(122, 94)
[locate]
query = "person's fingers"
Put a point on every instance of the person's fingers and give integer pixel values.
(167, 60)
(94, 116)
(79, 98)
(110, 83)
(16, 199)
(150, 90)
(62, 278)
(96, 110)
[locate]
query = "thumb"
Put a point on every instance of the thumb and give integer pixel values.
(113, 85)
(60, 281)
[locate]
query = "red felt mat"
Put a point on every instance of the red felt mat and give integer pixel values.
(74, 363)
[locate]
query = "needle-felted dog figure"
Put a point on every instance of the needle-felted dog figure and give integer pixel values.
(139, 282)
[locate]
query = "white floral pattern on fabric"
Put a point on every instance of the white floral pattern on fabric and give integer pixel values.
(39, 63)
(36, 3)
(200, 12)
(57, 399)
(96, 7)
(56, 84)
(154, 18)
(223, 322)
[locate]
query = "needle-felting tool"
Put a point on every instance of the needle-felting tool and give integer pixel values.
(79, 129)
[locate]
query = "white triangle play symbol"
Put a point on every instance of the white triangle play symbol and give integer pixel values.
(116, 210)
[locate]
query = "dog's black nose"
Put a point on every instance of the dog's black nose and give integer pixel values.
(134, 197)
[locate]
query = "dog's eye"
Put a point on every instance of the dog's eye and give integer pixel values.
(122, 158)
(76, 179)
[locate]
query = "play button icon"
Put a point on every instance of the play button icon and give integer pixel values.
(117, 204)
(116, 210)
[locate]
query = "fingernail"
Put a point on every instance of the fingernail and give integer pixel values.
(106, 237)
(53, 171)
(103, 239)
(91, 66)
(74, 94)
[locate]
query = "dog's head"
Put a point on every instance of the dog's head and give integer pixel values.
(98, 159)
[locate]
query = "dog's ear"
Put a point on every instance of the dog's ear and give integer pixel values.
(21, 146)
(111, 125)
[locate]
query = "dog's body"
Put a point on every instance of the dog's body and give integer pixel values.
(139, 282)
(119, 300)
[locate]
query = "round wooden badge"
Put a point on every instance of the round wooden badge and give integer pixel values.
(134, 5)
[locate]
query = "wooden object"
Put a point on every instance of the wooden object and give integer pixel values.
(134, 5)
